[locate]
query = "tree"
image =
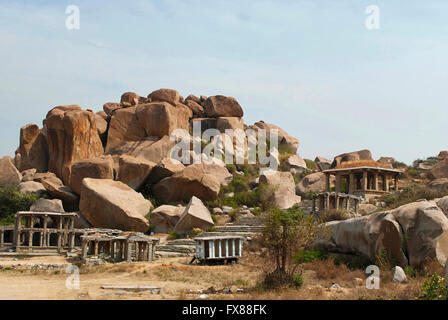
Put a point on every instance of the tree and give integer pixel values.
(285, 234)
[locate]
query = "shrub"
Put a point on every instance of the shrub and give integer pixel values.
(435, 288)
(285, 233)
(297, 280)
(411, 194)
(335, 215)
(305, 256)
(353, 262)
(173, 235)
(11, 201)
(310, 164)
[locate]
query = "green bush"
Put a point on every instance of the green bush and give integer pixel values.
(310, 164)
(173, 235)
(335, 215)
(310, 256)
(11, 201)
(297, 280)
(412, 194)
(435, 289)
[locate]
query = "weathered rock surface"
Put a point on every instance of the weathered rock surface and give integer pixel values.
(221, 106)
(284, 138)
(134, 171)
(9, 175)
(195, 107)
(313, 182)
(196, 215)
(110, 107)
(440, 169)
(296, 162)
(232, 123)
(56, 188)
(129, 99)
(28, 175)
(33, 149)
(165, 95)
(98, 168)
(398, 275)
(441, 183)
(352, 156)
(322, 163)
(161, 119)
(47, 205)
(112, 204)
(32, 187)
(123, 127)
(72, 135)
(365, 208)
(198, 180)
(283, 193)
(164, 218)
(165, 168)
(388, 162)
(413, 233)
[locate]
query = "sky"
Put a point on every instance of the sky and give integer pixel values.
(311, 67)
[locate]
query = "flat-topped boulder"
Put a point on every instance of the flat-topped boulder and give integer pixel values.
(282, 187)
(165, 168)
(30, 187)
(47, 205)
(112, 204)
(222, 106)
(314, 182)
(165, 95)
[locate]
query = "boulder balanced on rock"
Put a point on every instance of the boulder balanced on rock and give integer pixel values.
(196, 215)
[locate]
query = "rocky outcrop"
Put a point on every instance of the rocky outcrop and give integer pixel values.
(110, 107)
(195, 107)
(9, 175)
(387, 162)
(112, 204)
(198, 180)
(352, 156)
(285, 140)
(296, 164)
(314, 182)
(129, 99)
(164, 218)
(222, 106)
(33, 149)
(411, 234)
(98, 168)
(282, 186)
(72, 136)
(232, 123)
(134, 171)
(196, 215)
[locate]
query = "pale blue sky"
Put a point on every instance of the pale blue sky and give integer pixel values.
(310, 67)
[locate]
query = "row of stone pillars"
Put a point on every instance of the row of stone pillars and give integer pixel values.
(363, 181)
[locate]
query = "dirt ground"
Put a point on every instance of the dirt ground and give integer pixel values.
(179, 280)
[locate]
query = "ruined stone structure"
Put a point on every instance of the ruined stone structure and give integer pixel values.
(122, 247)
(44, 230)
(365, 181)
(218, 248)
(326, 201)
(6, 236)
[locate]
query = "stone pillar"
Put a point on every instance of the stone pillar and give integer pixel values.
(211, 245)
(386, 183)
(72, 233)
(347, 204)
(338, 182)
(396, 182)
(233, 247)
(327, 202)
(84, 248)
(240, 245)
(112, 249)
(327, 182)
(128, 251)
(45, 244)
(336, 201)
(59, 233)
(95, 250)
(227, 248)
(17, 231)
(375, 182)
(219, 249)
(137, 251)
(351, 183)
(2, 237)
(364, 181)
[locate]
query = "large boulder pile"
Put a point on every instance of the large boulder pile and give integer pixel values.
(164, 218)
(100, 161)
(411, 234)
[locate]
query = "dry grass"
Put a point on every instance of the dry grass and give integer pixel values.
(360, 163)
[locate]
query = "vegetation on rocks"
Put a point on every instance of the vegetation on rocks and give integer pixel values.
(412, 193)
